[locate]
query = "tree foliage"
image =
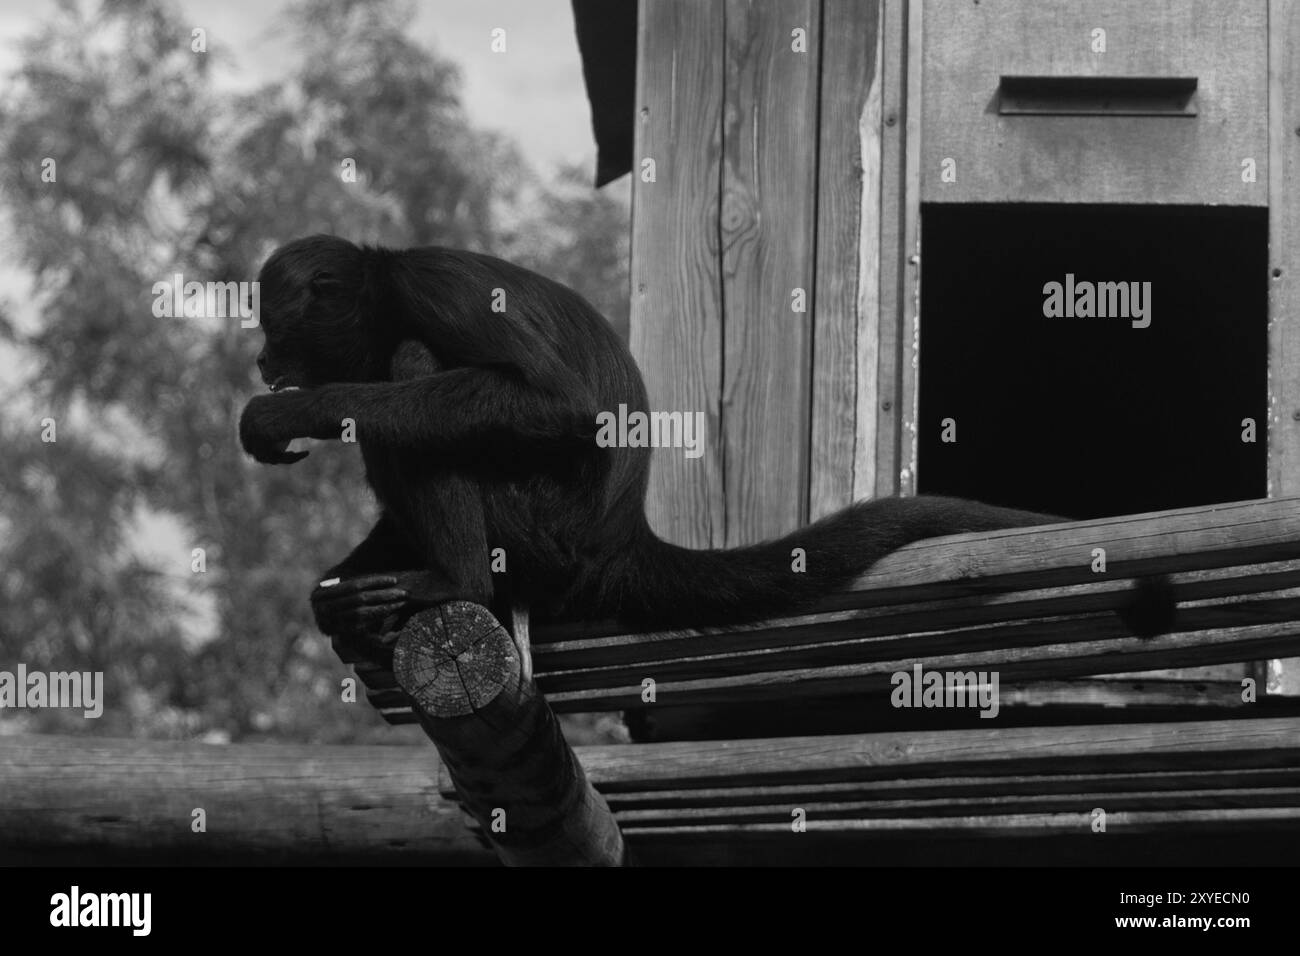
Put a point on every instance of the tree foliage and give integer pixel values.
(158, 173)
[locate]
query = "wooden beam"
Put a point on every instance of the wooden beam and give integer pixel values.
(134, 801)
(471, 684)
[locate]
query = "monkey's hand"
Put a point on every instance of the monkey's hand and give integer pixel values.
(365, 606)
(268, 424)
(362, 615)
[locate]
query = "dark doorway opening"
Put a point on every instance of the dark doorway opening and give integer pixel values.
(1090, 416)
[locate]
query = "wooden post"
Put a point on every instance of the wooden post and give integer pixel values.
(472, 684)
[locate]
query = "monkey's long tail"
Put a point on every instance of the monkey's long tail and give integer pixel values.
(667, 585)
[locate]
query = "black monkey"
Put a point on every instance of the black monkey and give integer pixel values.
(477, 427)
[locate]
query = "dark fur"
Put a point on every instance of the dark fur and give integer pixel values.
(484, 438)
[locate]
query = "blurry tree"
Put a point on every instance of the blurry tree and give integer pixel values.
(157, 174)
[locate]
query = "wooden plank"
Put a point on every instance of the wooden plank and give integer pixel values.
(954, 788)
(1111, 801)
(676, 312)
(1284, 278)
(263, 802)
(847, 291)
(1096, 159)
(910, 262)
(1284, 247)
(768, 214)
(1048, 607)
(885, 457)
(1181, 539)
(842, 643)
(1011, 825)
(622, 689)
(1111, 748)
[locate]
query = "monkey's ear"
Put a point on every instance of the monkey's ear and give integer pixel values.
(325, 283)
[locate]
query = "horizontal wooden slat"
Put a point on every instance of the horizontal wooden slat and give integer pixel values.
(1224, 745)
(995, 826)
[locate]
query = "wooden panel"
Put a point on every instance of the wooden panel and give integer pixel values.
(910, 265)
(676, 316)
(847, 296)
(1132, 159)
(769, 167)
(1284, 271)
(884, 464)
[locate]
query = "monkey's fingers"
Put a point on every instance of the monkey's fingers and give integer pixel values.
(355, 616)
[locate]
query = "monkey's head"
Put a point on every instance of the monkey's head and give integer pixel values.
(319, 296)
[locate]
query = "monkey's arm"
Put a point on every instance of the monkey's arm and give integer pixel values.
(457, 408)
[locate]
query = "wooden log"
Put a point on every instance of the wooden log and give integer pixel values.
(90, 800)
(471, 683)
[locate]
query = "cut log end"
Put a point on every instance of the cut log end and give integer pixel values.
(455, 659)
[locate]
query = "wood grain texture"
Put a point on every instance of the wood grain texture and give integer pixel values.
(769, 170)
(910, 262)
(676, 314)
(912, 755)
(515, 773)
(889, 341)
(958, 787)
(847, 293)
(264, 802)
(1096, 159)
(1284, 267)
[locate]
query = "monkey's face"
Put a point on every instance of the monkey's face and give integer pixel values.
(315, 331)
(282, 362)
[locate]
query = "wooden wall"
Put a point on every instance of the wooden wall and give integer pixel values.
(777, 170)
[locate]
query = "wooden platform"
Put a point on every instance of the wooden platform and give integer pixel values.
(1023, 602)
